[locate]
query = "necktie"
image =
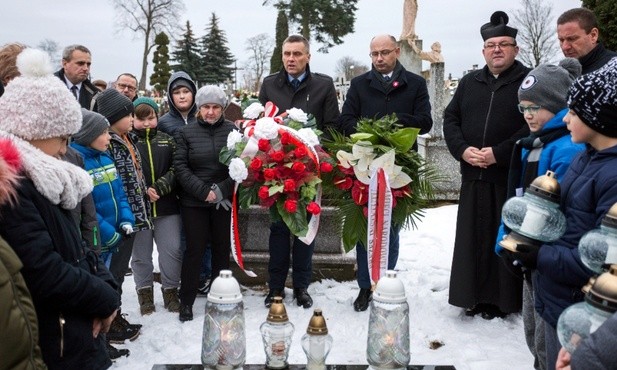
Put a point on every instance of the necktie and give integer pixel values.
(74, 91)
(387, 78)
(295, 83)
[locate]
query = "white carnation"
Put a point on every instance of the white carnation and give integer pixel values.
(309, 136)
(253, 111)
(233, 138)
(297, 115)
(266, 128)
(237, 170)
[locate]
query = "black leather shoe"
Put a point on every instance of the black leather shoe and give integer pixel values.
(302, 297)
(364, 297)
(273, 293)
(186, 312)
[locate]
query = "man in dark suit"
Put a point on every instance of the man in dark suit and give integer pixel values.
(75, 73)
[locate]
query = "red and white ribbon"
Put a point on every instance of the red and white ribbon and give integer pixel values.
(378, 228)
(236, 247)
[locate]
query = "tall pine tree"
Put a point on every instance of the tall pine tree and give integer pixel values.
(186, 54)
(215, 55)
(160, 59)
(282, 31)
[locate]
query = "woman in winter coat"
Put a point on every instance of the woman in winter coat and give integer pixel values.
(20, 347)
(72, 292)
(206, 189)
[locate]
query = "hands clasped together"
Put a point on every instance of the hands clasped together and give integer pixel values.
(479, 157)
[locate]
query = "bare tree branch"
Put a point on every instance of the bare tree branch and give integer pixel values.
(147, 18)
(260, 49)
(536, 32)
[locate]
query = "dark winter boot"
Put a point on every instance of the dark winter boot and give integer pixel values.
(145, 296)
(364, 297)
(120, 330)
(186, 312)
(115, 353)
(170, 299)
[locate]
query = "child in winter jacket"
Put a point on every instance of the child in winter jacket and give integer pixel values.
(118, 110)
(112, 208)
(542, 97)
(588, 190)
(157, 149)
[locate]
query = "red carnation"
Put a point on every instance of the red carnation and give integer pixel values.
(289, 185)
(278, 156)
(264, 145)
(344, 183)
(346, 171)
(256, 164)
(325, 167)
(298, 167)
(264, 192)
(313, 208)
(285, 138)
(300, 152)
(291, 206)
(269, 174)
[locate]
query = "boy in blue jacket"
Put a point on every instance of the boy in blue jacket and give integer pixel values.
(112, 208)
(549, 147)
(588, 190)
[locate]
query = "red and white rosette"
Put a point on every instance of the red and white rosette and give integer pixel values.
(378, 228)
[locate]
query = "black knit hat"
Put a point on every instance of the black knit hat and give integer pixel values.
(593, 97)
(93, 125)
(113, 105)
(498, 26)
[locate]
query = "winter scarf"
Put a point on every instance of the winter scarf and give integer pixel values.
(534, 143)
(60, 182)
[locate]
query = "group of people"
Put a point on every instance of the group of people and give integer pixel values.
(507, 124)
(91, 178)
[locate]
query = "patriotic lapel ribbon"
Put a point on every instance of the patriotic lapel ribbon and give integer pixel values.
(378, 230)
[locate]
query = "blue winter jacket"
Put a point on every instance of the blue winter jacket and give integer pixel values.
(112, 208)
(588, 190)
(556, 156)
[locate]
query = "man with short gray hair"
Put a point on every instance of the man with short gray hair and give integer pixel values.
(75, 73)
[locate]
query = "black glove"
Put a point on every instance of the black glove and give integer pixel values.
(526, 255)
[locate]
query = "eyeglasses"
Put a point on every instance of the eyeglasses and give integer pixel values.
(122, 86)
(531, 109)
(501, 45)
(383, 53)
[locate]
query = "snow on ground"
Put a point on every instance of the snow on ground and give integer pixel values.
(423, 265)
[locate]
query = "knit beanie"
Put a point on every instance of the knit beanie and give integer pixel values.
(94, 124)
(38, 105)
(593, 97)
(181, 82)
(148, 101)
(547, 85)
(113, 105)
(498, 26)
(211, 94)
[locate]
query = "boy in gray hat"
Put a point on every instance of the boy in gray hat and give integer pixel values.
(542, 101)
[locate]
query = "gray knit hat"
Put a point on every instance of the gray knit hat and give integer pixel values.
(593, 97)
(211, 94)
(547, 84)
(93, 125)
(113, 105)
(181, 82)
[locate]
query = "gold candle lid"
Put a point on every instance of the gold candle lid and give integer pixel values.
(546, 186)
(610, 219)
(317, 324)
(277, 312)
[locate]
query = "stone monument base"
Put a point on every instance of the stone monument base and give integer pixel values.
(436, 154)
(329, 259)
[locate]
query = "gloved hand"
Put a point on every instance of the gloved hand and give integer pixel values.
(526, 255)
(127, 229)
(225, 203)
